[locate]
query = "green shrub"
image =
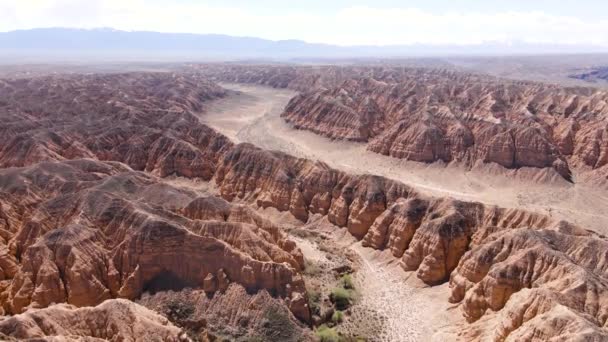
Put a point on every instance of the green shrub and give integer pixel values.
(311, 268)
(341, 298)
(347, 282)
(314, 301)
(327, 334)
(337, 317)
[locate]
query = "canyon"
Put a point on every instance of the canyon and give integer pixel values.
(195, 208)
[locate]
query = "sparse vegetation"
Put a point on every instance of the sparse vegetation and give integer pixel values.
(327, 334)
(278, 326)
(347, 282)
(341, 297)
(314, 301)
(337, 317)
(311, 269)
(178, 311)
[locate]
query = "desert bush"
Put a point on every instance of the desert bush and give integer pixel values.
(177, 310)
(347, 282)
(341, 297)
(337, 317)
(312, 269)
(327, 334)
(314, 301)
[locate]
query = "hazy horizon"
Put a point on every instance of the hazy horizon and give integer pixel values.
(342, 23)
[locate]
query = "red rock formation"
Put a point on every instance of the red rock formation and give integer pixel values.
(82, 231)
(462, 118)
(142, 120)
(566, 276)
(236, 314)
(113, 320)
(98, 237)
(85, 230)
(436, 115)
(438, 238)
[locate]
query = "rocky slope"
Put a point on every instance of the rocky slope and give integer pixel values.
(87, 231)
(488, 254)
(85, 218)
(460, 118)
(113, 320)
(99, 222)
(142, 120)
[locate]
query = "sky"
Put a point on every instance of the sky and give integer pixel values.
(340, 22)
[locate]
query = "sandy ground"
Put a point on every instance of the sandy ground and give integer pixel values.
(253, 115)
(391, 305)
(408, 310)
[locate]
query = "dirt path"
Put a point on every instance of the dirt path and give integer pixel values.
(388, 307)
(254, 116)
(383, 293)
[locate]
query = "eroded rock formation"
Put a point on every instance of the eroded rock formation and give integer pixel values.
(455, 118)
(142, 120)
(85, 215)
(112, 320)
(102, 232)
(234, 315)
(437, 115)
(442, 239)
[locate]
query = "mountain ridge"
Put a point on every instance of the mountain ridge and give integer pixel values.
(116, 42)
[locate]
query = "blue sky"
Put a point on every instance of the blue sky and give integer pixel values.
(379, 22)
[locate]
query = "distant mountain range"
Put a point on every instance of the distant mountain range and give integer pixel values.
(104, 43)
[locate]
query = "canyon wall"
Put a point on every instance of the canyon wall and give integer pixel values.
(429, 115)
(525, 266)
(85, 215)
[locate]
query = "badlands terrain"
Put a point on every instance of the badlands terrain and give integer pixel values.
(302, 203)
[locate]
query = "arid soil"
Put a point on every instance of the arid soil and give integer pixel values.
(117, 187)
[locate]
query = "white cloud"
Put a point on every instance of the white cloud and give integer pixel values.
(354, 25)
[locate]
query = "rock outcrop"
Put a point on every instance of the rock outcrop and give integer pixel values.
(85, 218)
(235, 315)
(112, 320)
(93, 231)
(143, 120)
(544, 283)
(460, 118)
